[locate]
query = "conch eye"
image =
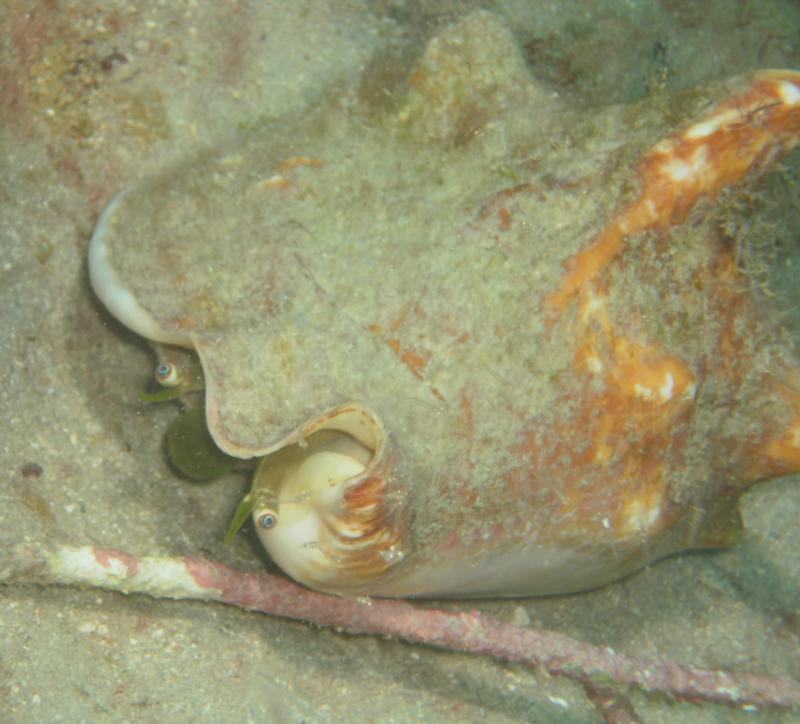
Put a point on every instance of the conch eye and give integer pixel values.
(167, 375)
(267, 520)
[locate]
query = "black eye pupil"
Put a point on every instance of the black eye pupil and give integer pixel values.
(267, 521)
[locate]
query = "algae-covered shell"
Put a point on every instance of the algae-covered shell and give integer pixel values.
(491, 363)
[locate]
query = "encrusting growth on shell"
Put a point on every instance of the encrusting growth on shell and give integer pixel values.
(463, 376)
(742, 135)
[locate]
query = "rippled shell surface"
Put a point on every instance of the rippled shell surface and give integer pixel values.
(411, 277)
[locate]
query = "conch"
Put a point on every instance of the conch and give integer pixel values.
(483, 343)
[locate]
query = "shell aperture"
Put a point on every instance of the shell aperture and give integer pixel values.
(299, 506)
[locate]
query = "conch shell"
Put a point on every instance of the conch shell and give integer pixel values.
(484, 344)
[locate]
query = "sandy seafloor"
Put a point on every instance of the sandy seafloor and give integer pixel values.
(95, 95)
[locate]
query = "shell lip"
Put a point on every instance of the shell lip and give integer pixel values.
(353, 418)
(112, 292)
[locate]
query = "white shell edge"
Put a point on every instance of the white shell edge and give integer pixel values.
(117, 298)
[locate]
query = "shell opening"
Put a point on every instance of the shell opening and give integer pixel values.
(324, 504)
